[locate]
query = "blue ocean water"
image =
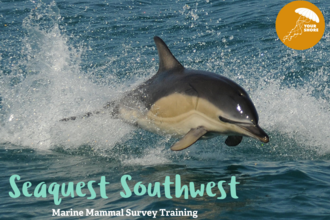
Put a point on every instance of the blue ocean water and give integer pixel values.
(64, 58)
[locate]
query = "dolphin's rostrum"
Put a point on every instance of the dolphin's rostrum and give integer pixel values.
(190, 104)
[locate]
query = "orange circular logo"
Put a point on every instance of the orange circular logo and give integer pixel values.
(300, 25)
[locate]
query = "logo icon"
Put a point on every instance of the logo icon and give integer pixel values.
(300, 25)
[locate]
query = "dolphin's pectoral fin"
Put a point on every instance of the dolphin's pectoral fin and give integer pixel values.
(233, 140)
(191, 137)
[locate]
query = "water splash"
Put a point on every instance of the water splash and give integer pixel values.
(296, 115)
(49, 86)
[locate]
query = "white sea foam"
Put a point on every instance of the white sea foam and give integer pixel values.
(295, 114)
(53, 88)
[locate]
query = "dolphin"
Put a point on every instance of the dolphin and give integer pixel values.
(188, 104)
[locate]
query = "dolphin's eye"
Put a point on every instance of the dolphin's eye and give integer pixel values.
(226, 120)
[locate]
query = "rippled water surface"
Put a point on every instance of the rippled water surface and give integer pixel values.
(63, 58)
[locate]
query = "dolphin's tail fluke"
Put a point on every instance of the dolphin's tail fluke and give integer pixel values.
(110, 108)
(88, 114)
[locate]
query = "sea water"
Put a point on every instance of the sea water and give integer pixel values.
(65, 58)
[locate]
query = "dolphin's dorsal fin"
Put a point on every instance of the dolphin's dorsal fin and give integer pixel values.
(166, 59)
